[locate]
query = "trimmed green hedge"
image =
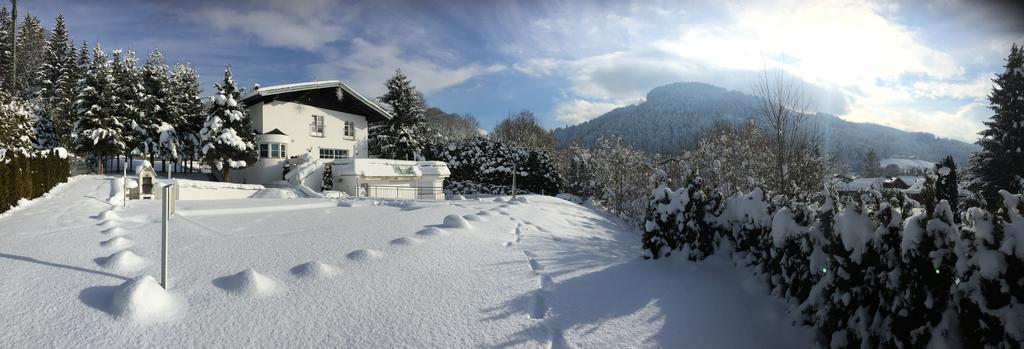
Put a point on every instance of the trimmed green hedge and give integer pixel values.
(29, 177)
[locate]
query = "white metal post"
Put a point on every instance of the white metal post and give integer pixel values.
(167, 202)
(124, 187)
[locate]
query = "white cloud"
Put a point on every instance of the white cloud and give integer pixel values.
(578, 110)
(285, 24)
(977, 89)
(367, 65)
(962, 124)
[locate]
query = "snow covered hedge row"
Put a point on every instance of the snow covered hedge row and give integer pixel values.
(486, 164)
(871, 271)
(28, 176)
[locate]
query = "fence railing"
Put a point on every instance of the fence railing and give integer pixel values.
(403, 193)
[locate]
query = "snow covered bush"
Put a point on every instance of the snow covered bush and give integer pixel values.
(684, 219)
(228, 139)
(30, 175)
(486, 164)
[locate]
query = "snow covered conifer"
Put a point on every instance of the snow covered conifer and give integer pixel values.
(15, 126)
(58, 76)
(405, 135)
(98, 130)
(228, 138)
(327, 181)
(186, 109)
(1002, 143)
(871, 166)
(155, 84)
(31, 55)
(127, 100)
(579, 178)
(946, 185)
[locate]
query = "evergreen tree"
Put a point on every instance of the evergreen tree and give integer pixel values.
(155, 103)
(1000, 162)
(127, 95)
(227, 136)
(186, 109)
(871, 166)
(6, 60)
(58, 76)
(15, 126)
(946, 185)
(31, 55)
(405, 135)
(44, 135)
(327, 181)
(97, 131)
(579, 178)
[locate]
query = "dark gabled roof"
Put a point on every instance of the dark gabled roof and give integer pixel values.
(333, 95)
(275, 132)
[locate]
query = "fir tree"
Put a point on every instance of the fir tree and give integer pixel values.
(871, 166)
(127, 99)
(227, 136)
(58, 76)
(327, 181)
(946, 185)
(1000, 162)
(186, 109)
(6, 60)
(97, 131)
(404, 136)
(579, 179)
(31, 55)
(15, 126)
(44, 135)
(155, 81)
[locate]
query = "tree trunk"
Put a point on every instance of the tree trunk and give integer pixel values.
(224, 172)
(99, 165)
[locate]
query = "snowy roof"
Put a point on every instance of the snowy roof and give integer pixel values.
(916, 188)
(858, 185)
(376, 167)
(435, 168)
(314, 85)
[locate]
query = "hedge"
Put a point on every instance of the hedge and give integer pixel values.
(30, 176)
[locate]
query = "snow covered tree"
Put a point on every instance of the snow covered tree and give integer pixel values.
(579, 176)
(405, 135)
(327, 180)
(623, 174)
(155, 83)
(15, 126)
(44, 135)
(999, 163)
(946, 185)
(871, 167)
(126, 101)
(450, 127)
(98, 130)
(31, 55)
(58, 76)
(881, 285)
(228, 139)
(186, 109)
(6, 60)
(730, 156)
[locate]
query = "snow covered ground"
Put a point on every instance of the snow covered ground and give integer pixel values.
(278, 272)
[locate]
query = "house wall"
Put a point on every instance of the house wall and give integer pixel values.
(294, 120)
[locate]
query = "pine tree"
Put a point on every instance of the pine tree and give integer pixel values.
(15, 126)
(156, 82)
(127, 99)
(97, 131)
(31, 55)
(946, 185)
(58, 76)
(1000, 162)
(404, 136)
(871, 166)
(227, 135)
(186, 109)
(327, 181)
(6, 30)
(579, 178)
(44, 135)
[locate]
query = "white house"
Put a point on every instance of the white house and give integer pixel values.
(304, 126)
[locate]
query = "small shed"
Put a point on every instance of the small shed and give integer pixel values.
(146, 184)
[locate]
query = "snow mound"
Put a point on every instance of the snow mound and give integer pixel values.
(115, 231)
(431, 231)
(110, 223)
(355, 203)
(248, 282)
(117, 242)
(315, 269)
(473, 218)
(459, 197)
(363, 255)
(143, 299)
(454, 221)
(484, 213)
(108, 215)
(522, 199)
(500, 199)
(124, 261)
(405, 241)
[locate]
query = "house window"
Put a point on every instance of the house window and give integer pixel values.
(316, 128)
(272, 151)
(350, 129)
(328, 153)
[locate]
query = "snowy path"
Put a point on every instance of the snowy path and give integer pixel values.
(323, 273)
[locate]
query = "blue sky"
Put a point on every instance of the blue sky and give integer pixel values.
(914, 65)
